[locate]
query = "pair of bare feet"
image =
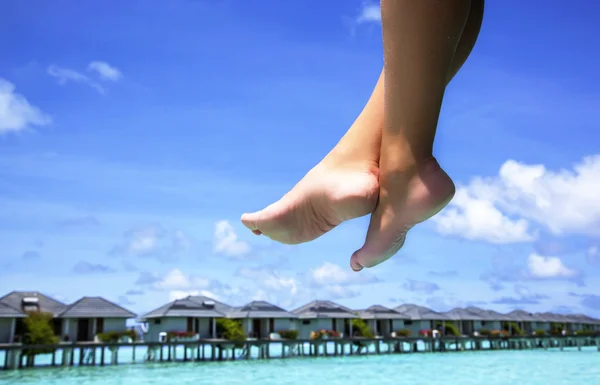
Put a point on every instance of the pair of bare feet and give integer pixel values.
(349, 184)
(384, 164)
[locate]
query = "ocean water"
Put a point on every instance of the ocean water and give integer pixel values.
(530, 367)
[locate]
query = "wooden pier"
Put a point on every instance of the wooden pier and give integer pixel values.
(17, 356)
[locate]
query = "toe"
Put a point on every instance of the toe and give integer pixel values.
(354, 264)
(251, 221)
(381, 244)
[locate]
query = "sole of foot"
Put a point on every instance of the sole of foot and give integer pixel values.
(328, 195)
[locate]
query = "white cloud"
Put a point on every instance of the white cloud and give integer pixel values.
(260, 295)
(152, 240)
(503, 208)
(141, 241)
(564, 201)
(524, 294)
(474, 217)
(420, 286)
(66, 75)
(180, 294)
(328, 281)
(548, 267)
(226, 242)
(370, 12)
(105, 70)
(444, 303)
(331, 274)
(176, 279)
(270, 279)
(339, 291)
(180, 284)
(16, 114)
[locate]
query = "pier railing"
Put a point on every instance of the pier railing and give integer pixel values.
(17, 356)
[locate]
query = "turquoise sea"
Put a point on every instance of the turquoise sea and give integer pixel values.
(530, 367)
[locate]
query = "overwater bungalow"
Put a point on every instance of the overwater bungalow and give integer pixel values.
(542, 322)
(466, 319)
(195, 315)
(584, 322)
(80, 321)
(33, 301)
(8, 322)
(261, 318)
(327, 315)
(421, 318)
(383, 321)
(562, 322)
(90, 316)
(525, 320)
(492, 320)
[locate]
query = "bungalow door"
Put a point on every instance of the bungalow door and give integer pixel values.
(99, 325)
(271, 325)
(190, 325)
(256, 328)
(83, 329)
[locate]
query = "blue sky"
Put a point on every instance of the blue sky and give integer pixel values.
(134, 134)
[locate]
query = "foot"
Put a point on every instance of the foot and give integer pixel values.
(332, 192)
(406, 198)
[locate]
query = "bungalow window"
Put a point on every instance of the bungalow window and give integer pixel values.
(407, 322)
(483, 323)
(305, 322)
(157, 321)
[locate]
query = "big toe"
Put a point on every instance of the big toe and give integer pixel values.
(264, 221)
(381, 244)
(369, 256)
(252, 221)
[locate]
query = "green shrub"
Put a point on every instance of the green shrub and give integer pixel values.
(403, 333)
(452, 330)
(38, 331)
(115, 336)
(516, 330)
(540, 332)
(585, 333)
(109, 337)
(361, 329)
(230, 329)
(132, 333)
(556, 329)
(484, 332)
(288, 334)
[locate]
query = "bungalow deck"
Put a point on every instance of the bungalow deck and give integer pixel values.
(13, 356)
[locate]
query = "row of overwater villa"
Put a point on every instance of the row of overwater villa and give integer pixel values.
(197, 316)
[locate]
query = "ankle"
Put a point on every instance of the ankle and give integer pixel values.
(345, 157)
